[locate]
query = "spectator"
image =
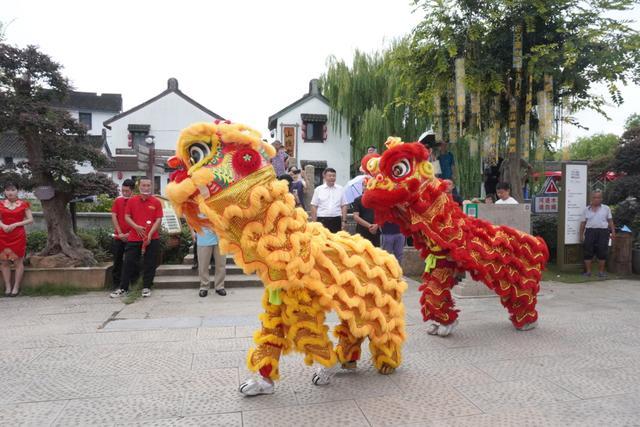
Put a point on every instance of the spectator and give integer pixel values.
(371, 150)
(392, 240)
(14, 215)
(447, 162)
(504, 194)
(143, 214)
(279, 161)
(287, 177)
(120, 228)
(451, 189)
(208, 247)
(328, 205)
(489, 199)
(596, 224)
(365, 225)
(297, 185)
(492, 177)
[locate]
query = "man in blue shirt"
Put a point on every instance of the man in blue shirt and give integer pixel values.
(207, 247)
(447, 162)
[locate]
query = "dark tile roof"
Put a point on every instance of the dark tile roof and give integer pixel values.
(314, 117)
(172, 87)
(11, 145)
(314, 92)
(122, 163)
(91, 101)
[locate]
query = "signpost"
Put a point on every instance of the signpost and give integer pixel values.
(547, 200)
(573, 200)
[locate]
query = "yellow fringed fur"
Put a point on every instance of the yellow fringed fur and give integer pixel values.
(315, 270)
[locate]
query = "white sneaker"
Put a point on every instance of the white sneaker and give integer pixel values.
(118, 293)
(323, 375)
(256, 386)
(436, 328)
(146, 292)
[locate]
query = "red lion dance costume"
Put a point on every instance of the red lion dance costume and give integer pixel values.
(404, 190)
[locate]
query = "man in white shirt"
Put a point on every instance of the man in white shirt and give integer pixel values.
(594, 233)
(503, 190)
(328, 205)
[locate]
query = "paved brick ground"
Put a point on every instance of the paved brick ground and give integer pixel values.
(176, 359)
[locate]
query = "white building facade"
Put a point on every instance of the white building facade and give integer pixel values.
(309, 137)
(163, 117)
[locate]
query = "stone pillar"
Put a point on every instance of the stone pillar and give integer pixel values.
(309, 173)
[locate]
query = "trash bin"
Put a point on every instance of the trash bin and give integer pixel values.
(620, 255)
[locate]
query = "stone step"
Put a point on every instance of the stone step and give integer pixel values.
(188, 282)
(188, 260)
(186, 270)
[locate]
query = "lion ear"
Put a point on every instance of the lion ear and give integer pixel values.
(370, 163)
(425, 169)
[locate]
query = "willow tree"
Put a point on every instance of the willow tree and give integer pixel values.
(370, 95)
(500, 70)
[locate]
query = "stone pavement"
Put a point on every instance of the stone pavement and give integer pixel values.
(176, 359)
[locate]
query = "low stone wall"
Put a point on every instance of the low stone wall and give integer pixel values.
(85, 220)
(95, 278)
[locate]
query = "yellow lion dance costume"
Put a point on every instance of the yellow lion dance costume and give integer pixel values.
(224, 173)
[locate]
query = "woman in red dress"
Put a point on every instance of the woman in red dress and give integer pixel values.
(14, 215)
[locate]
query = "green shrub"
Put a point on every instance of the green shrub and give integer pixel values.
(176, 254)
(546, 226)
(621, 188)
(36, 241)
(103, 204)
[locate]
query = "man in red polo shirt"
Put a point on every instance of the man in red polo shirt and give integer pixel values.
(120, 229)
(143, 214)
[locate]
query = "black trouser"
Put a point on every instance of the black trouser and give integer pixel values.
(596, 242)
(117, 249)
(132, 255)
(333, 223)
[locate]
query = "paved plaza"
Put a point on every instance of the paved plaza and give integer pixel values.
(176, 359)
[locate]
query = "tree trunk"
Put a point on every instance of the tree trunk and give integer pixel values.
(61, 240)
(60, 236)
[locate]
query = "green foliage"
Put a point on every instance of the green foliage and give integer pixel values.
(633, 121)
(103, 204)
(627, 157)
(599, 166)
(627, 213)
(97, 240)
(576, 43)
(621, 188)
(468, 169)
(175, 254)
(546, 226)
(594, 146)
(36, 241)
(369, 95)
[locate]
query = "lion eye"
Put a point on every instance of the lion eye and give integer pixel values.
(401, 168)
(198, 151)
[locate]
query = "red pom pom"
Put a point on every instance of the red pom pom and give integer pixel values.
(246, 161)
